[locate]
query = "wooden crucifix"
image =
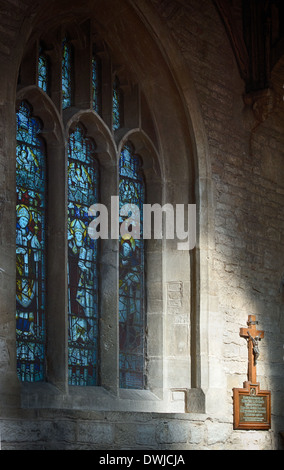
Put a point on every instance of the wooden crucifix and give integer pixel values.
(252, 406)
(253, 337)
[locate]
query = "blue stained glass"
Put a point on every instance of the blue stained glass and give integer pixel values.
(96, 84)
(116, 106)
(131, 277)
(30, 247)
(66, 74)
(43, 72)
(82, 262)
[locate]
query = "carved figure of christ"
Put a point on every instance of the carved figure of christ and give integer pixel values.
(253, 336)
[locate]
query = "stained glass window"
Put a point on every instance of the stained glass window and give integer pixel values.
(131, 276)
(82, 261)
(96, 92)
(30, 247)
(116, 105)
(43, 72)
(66, 74)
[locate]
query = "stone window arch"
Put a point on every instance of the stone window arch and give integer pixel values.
(59, 122)
(168, 306)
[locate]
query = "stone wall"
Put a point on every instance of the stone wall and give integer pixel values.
(70, 430)
(245, 138)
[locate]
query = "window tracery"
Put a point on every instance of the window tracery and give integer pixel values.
(95, 168)
(83, 306)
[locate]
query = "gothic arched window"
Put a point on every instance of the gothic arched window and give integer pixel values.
(131, 271)
(30, 247)
(82, 261)
(92, 330)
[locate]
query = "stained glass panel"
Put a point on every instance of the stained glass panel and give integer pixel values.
(96, 84)
(131, 277)
(43, 72)
(30, 247)
(66, 74)
(116, 106)
(82, 261)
